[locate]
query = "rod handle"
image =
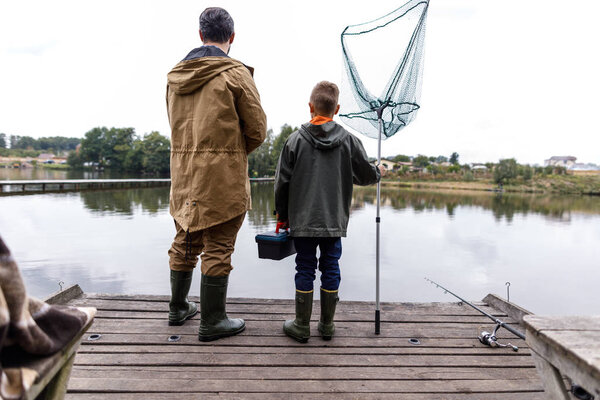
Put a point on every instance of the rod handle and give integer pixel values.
(377, 322)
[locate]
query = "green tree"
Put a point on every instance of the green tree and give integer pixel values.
(505, 170)
(2, 140)
(117, 144)
(421, 161)
(58, 143)
(74, 160)
(526, 172)
(441, 159)
(279, 141)
(401, 158)
(157, 152)
(454, 158)
(435, 169)
(107, 147)
(454, 168)
(23, 142)
(263, 161)
(260, 162)
(93, 146)
(134, 161)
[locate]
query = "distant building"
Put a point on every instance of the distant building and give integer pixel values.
(584, 169)
(45, 156)
(478, 167)
(560, 161)
(389, 165)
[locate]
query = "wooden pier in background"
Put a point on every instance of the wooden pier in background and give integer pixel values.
(62, 185)
(138, 356)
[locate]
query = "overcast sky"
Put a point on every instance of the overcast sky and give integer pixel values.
(511, 78)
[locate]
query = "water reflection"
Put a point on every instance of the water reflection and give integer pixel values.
(263, 205)
(503, 206)
(46, 174)
(117, 240)
(124, 202)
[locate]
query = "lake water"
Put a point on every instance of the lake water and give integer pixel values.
(116, 241)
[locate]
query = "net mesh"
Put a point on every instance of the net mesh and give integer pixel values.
(390, 49)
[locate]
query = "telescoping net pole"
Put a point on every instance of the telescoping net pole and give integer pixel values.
(377, 240)
(378, 230)
(383, 60)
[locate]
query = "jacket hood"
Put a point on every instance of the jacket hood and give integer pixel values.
(326, 136)
(190, 75)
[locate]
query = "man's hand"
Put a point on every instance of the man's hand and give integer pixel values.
(382, 169)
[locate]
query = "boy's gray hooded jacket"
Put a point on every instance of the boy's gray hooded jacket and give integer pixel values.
(313, 182)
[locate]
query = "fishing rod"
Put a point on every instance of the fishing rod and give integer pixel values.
(489, 339)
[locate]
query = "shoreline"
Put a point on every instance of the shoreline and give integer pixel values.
(571, 185)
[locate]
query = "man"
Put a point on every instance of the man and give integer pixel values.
(216, 121)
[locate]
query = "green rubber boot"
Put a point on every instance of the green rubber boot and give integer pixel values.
(180, 309)
(214, 323)
(299, 328)
(326, 326)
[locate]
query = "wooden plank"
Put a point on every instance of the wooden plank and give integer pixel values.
(568, 323)
(131, 305)
(305, 386)
(283, 341)
(310, 372)
(551, 379)
(57, 387)
(133, 360)
(309, 396)
(286, 360)
(513, 310)
(586, 343)
(198, 349)
(581, 367)
(392, 317)
(50, 367)
(64, 296)
(274, 328)
(266, 301)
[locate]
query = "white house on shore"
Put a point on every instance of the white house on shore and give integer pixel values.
(389, 165)
(560, 161)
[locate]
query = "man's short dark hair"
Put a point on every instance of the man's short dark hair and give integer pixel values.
(324, 97)
(216, 25)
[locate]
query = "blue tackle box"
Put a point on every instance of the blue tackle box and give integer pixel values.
(275, 245)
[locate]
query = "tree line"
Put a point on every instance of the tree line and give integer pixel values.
(263, 161)
(504, 171)
(27, 146)
(123, 150)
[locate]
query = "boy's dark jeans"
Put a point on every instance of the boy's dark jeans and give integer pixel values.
(306, 262)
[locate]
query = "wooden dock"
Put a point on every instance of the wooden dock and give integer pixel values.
(62, 185)
(134, 359)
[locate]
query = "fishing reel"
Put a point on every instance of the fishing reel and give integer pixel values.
(490, 339)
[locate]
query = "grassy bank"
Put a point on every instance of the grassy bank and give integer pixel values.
(551, 184)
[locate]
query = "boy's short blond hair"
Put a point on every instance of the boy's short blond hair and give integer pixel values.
(324, 97)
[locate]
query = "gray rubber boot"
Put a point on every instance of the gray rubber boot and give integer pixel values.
(299, 328)
(180, 309)
(328, 302)
(214, 323)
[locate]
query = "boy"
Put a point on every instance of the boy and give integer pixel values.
(317, 167)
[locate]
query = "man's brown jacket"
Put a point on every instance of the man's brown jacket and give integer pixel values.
(216, 121)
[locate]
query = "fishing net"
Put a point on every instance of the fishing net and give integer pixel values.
(389, 53)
